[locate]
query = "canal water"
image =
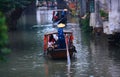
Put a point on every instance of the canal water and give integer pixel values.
(94, 57)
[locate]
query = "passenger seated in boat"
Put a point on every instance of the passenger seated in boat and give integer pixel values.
(56, 41)
(51, 41)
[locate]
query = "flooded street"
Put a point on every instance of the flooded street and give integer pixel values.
(94, 57)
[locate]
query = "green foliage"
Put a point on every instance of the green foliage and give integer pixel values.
(5, 50)
(85, 24)
(103, 14)
(7, 5)
(3, 31)
(3, 37)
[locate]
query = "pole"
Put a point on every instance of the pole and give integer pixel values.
(56, 23)
(68, 55)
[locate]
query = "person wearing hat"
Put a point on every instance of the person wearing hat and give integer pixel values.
(61, 37)
(64, 16)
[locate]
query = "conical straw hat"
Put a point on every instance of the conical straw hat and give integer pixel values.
(61, 25)
(65, 9)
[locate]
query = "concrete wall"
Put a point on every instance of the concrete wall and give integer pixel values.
(114, 16)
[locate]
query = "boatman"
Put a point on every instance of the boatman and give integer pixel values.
(61, 37)
(64, 16)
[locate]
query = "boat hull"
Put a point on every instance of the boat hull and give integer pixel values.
(59, 53)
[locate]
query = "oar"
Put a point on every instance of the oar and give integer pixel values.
(56, 23)
(68, 55)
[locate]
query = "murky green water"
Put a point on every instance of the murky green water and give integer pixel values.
(94, 57)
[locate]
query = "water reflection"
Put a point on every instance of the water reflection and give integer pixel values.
(103, 64)
(100, 59)
(94, 57)
(114, 55)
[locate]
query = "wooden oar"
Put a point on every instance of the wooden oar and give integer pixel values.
(56, 23)
(68, 55)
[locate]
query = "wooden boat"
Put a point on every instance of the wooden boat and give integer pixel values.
(58, 17)
(59, 53)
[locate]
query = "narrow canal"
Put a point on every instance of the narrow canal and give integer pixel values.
(94, 57)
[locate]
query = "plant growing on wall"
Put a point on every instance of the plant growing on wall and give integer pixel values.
(3, 37)
(104, 15)
(85, 23)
